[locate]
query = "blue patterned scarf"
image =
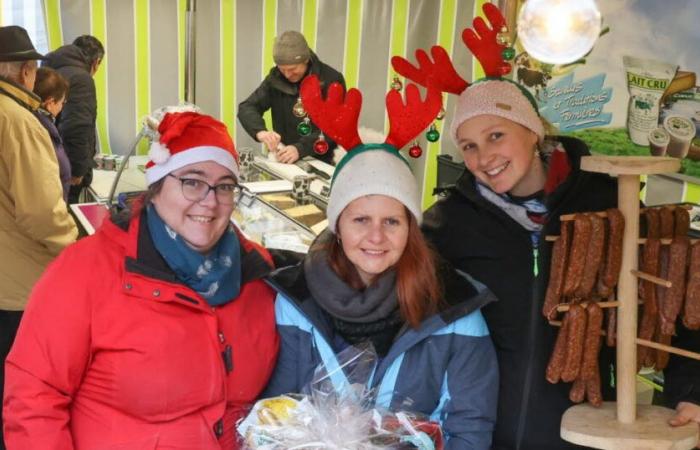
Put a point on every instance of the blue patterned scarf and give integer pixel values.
(215, 276)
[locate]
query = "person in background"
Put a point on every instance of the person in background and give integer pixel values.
(492, 225)
(371, 278)
(78, 62)
(279, 92)
(52, 89)
(34, 221)
(158, 331)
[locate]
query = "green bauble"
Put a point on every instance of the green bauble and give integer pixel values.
(432, 135)
(304, 128)
(508, 53)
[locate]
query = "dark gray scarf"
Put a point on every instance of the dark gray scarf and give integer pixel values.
(357, 316)
(377, 301)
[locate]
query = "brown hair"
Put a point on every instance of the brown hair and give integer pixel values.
(50, 84)
(417, 286)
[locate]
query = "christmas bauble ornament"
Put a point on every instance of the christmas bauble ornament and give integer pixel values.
(433, 134)
(304, 128)
(396, 84)
(441, 114)
(508, 53)
(505, 69)
(298, 109)
(502, 37)
(415, 151)
(321, 146)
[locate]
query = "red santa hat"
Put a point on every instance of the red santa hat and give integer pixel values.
(188, 138)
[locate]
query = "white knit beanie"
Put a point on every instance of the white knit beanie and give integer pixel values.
(372, 169)
(497, 97)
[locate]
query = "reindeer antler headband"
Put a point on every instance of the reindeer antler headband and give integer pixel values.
(483, 41)
(338, 115)
(494, 95)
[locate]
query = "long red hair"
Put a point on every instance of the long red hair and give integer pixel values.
(417, 286)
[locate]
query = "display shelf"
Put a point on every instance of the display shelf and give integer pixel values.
(599, 428)
(623, 424)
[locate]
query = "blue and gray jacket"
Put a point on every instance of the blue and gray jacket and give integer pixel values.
(445, 369)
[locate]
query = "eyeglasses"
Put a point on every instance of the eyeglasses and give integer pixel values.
(196, 190)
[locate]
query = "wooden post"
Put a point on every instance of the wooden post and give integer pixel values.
(628, 203)
(643, 427)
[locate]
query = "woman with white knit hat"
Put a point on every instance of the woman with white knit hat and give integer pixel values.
(372, 279)
(492, 225)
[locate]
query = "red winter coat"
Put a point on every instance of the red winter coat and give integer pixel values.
(113, 353)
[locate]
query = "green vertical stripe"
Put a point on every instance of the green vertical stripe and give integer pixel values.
(181, 34)
(98, 28)
(691, 193)
(227, 64)
(142, 66)
(52, 19)
(477, 70)
(269, 33)
(399, 25)
(643, 191)
(353, 37)
(308, 22)
(446, 32)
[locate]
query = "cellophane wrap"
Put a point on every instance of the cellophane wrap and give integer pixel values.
(335, 411)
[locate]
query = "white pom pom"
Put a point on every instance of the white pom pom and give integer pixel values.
(370, 135)
(158, 153)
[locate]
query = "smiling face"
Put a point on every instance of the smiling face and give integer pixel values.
(201, 224)
(373, 231)
(501, 154)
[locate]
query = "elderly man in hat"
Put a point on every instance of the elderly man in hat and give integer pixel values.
(293, 136)
(34, 222)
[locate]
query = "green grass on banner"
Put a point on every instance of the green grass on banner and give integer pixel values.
(615, 141)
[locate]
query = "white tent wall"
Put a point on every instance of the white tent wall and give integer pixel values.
(144, 41)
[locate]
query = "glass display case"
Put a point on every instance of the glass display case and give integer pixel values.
(277, 213)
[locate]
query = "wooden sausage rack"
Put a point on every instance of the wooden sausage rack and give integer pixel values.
(626, 425)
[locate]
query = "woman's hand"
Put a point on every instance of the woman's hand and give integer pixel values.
(685, 413)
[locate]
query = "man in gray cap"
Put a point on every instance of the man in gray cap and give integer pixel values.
(279, 92)
(34, 222)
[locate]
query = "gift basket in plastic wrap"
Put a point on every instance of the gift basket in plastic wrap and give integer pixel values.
(336, 411)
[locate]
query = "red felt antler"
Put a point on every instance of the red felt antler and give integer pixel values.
(483, 42)
(441, 73)
(406, 121)
(336, 116)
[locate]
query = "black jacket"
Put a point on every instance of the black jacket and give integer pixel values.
(480, 239)
(279, 95)
(76, 123)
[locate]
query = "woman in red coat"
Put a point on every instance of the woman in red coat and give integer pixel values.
(156, 332)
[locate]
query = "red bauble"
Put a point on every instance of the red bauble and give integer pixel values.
(321, 147)
(505, 69)
(415, 151)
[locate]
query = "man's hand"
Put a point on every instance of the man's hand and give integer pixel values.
(287, 154)
(76, 181)
(269, 138)
(685, 413)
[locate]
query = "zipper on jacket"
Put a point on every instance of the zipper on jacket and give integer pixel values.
(535, 237)
(534, 311)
